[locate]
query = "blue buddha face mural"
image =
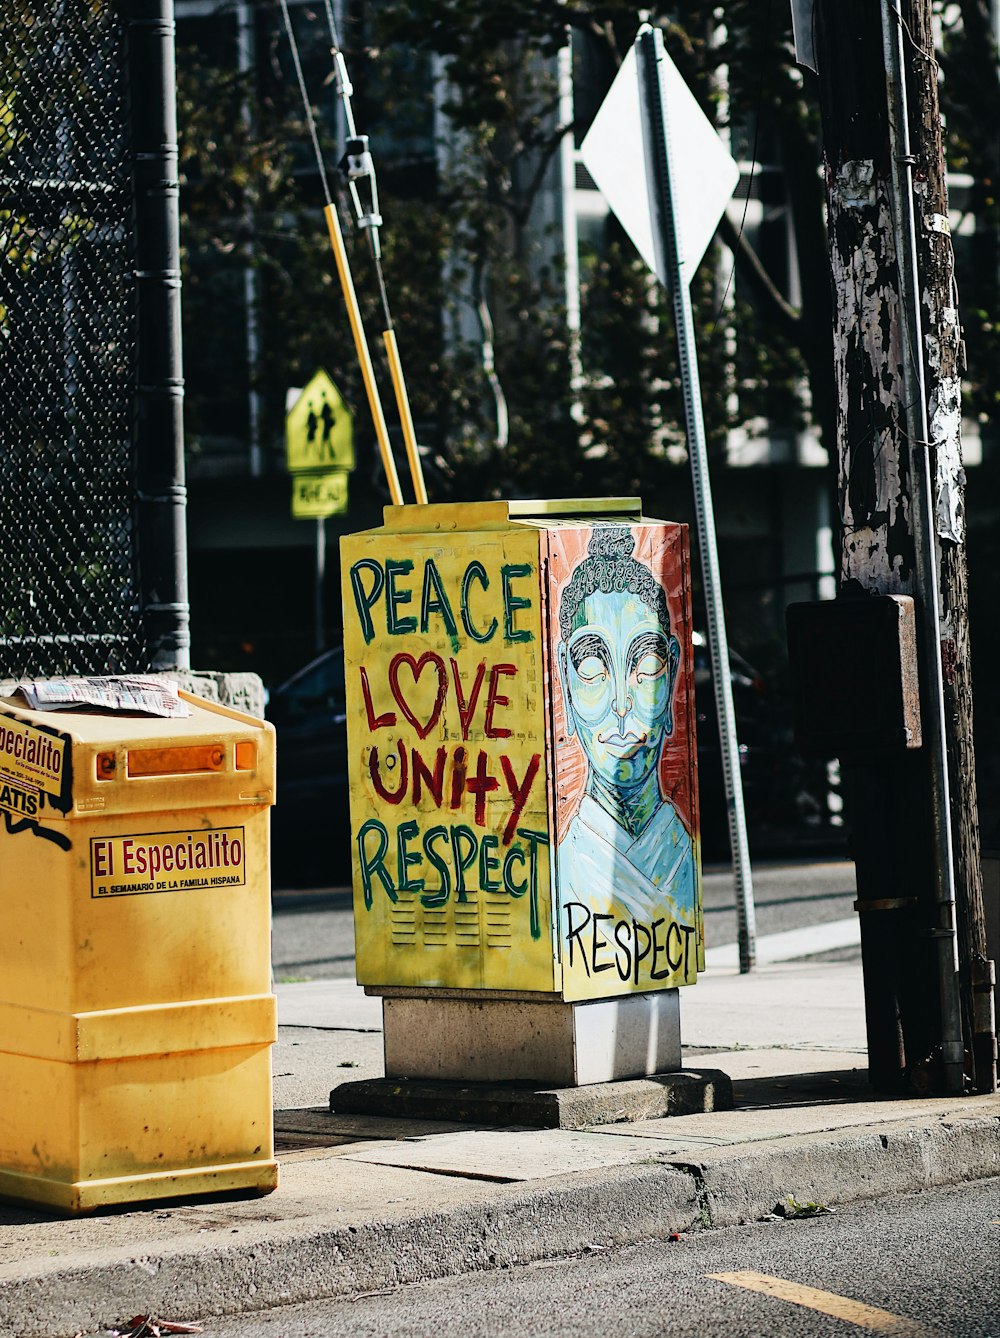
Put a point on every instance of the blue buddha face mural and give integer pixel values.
(618, 661)
(626, 864)
(619, 667)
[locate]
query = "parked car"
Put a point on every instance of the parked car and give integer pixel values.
(310, 823)
(791, 804)
(310, 831)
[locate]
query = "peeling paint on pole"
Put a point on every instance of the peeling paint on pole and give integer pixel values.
(874, 476)
(946, 437)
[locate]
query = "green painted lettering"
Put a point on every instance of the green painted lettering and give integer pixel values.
(439, 896)
(363, 600)
(374, 862)
(512, 571)
(406, 832)
(475, 571)
(488, 863)
(460, 835)
(395, 625)
(434, 599)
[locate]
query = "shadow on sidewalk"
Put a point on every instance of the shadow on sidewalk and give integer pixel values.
(835, 1087)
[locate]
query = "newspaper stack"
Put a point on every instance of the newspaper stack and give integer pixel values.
(134, 692)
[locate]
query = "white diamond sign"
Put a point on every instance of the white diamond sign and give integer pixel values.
(703, 175)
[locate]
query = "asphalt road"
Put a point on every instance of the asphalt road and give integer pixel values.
(314, 936)
(924, 1265)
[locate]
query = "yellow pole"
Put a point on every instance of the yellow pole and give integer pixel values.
(364, 357)
(405, 417)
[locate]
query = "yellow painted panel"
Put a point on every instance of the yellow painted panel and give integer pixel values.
(444, 658)
(578, 506)
(138, 1128)
(85, 1196)
(148, 1029)
(446, 517)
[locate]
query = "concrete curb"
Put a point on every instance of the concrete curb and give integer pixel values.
(283, 1264)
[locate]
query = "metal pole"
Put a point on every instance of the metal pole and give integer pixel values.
(320, 585)
(159, 429)
(568, 220)
(246, 32)
(657, 135)
(927, 591)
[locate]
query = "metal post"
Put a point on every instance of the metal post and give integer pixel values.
(159, 431)
(657, 135)
(320, 594)
(246, 31)
(927, 592)
(568, 221)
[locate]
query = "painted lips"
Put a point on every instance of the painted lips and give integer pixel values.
(624, 745)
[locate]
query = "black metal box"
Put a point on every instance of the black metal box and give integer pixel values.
(855, 684)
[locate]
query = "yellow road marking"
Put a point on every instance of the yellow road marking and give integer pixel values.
(828, 1303)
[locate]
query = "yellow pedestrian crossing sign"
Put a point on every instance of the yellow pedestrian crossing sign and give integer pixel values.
(319, 429)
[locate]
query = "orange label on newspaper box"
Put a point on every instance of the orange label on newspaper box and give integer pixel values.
(123, 866)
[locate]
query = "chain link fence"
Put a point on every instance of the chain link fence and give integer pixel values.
(69, 593)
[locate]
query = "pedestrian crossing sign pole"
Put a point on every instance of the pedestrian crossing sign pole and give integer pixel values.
(319, 451)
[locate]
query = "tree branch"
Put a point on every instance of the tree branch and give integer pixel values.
(776, 306)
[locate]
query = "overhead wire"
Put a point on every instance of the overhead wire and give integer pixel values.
(306, 104)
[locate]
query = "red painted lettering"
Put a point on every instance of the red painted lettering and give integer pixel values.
(494, 699)
(374, 721)
(458, 777)
(422, 775)
(518, 793)
(390, 796)
(466, 709)
(480, 786)
(416, 667)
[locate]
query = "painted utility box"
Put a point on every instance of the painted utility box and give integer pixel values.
(136, 1011)
(522, 750)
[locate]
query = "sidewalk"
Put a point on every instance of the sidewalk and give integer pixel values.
(365, 1203)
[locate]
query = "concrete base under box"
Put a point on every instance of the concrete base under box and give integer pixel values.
(469, 1039)
(692, 1092)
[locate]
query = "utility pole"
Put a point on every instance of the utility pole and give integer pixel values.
(944, 359)
(899, 481)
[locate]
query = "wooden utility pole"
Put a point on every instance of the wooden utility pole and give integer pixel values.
(944, 358)
(913, 814)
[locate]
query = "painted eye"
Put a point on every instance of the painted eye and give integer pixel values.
(592, 670)
(650, 666)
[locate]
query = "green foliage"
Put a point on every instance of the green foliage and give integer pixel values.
(971, 99)
(467, 228)
(500, 107)
(792, 1209)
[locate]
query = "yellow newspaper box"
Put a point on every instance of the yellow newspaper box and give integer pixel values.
(520, 697)
(136, 1010)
